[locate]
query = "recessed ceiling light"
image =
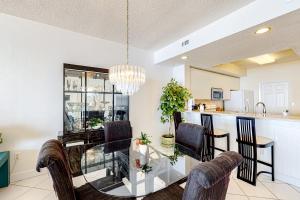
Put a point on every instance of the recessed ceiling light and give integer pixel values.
(263, 59)
(263, 30)
(184, 57)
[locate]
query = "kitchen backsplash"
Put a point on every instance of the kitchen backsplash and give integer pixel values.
(210, 104)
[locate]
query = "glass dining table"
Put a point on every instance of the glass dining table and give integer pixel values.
(127, 169)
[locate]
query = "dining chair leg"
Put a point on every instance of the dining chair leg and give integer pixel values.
(228, 142)
(272, 160)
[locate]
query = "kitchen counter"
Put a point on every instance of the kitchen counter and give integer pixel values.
(284, 131)
(256, 116)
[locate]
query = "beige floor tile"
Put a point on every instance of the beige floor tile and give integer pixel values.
(233, 188)
(237, 190)
(283, 191)
(34, 194)
(46, 184)
(258, 198)
(32, 182)
(255, 191)
(51, 196)
(267, 179)
(12, 192)
(235, 197)
(295, 187)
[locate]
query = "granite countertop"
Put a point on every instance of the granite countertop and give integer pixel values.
(256, 116)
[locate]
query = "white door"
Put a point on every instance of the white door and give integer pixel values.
(275, 96)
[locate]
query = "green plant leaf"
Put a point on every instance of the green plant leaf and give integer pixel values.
(173, 99)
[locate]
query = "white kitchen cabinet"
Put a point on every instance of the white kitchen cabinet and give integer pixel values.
(202, 81)
(284, 133)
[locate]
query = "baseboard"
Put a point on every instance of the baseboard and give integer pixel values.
(288, 179)
(25, 175)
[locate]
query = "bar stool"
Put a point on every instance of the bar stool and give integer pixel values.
(248, 143)
(207, 122)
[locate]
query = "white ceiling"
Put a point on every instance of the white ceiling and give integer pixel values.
(153, 23)
(284, 35)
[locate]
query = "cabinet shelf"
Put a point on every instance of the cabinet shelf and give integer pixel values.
(91, 92)
(81, 107)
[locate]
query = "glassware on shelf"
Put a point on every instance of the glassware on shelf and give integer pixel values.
(75, 85)
(88, 93)
(68, 84)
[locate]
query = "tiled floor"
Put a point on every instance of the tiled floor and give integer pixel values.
(40, 188)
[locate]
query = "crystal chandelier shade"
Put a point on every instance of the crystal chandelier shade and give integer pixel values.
(127, 78)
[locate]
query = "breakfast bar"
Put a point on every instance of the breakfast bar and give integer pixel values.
(283, 130)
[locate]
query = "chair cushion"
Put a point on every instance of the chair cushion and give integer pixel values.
(191, 136)
(209, 180)
(54, 158)
(260, 140)
(117, 130)
(220, 132)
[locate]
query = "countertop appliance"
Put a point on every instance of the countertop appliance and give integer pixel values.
(240, 101)
(216, 94)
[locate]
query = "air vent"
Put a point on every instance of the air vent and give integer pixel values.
(185, 43)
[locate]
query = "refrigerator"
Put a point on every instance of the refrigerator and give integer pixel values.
(240, 101)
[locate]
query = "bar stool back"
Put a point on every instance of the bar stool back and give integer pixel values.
(248, 143)
(209, 140)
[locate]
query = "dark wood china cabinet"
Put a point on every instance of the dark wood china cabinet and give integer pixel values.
(89, 100)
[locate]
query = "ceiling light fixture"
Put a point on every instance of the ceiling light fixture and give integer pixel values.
(184, 57)
(127, 78)
(263, 59)
(262, 30)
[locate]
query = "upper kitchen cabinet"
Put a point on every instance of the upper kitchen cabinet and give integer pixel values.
(202, 81)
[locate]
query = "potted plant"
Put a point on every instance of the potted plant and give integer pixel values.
(95, 123)
(173, 99)
(174, 158)
(145, 168)
(143, 143)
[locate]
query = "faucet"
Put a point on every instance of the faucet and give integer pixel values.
(264, 107)
(247, 105)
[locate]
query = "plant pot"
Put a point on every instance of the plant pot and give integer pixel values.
(167, 140)
(143, 160)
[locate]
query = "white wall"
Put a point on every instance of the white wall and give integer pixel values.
(31, 81)
(286, 72)
(179, 74)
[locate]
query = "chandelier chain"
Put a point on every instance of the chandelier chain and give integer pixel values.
(127, 78)
(127, 31)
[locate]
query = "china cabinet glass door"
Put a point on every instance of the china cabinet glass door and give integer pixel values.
(90, 100)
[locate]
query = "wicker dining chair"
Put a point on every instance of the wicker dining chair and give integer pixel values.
(117, 130)
(53, 157)
(191, 136)
(177, 119)
(207, 181)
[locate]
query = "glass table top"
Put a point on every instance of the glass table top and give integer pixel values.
(127, 169)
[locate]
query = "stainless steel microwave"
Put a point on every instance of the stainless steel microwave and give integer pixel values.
(216, 94)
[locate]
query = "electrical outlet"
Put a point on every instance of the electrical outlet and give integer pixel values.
(17, 155)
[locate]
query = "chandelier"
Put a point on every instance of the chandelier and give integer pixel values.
(127, 78)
